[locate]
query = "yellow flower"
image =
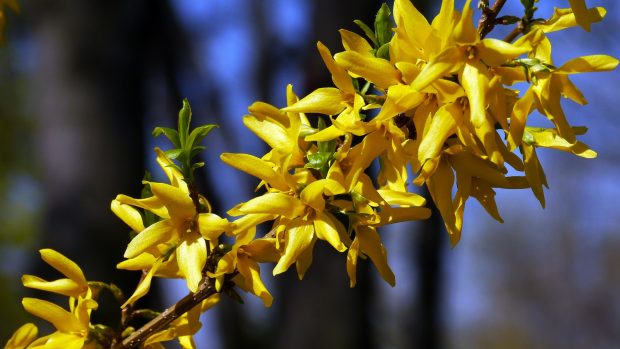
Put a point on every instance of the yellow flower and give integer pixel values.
(549, 84)
(74, 285)
(244, 257)
(22, 337)
(72, 326)
(342, 100)
(181, 229)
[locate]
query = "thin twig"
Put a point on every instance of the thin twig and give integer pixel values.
(205, 290)
(518, 29)
(488, 18)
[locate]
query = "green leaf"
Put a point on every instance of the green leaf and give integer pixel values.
(318, 160)
(198, 134)
(196, 150)
(383, 25)
(173, 153)
(185, 117)
(383, 51)
(369, 32)
(171, 134)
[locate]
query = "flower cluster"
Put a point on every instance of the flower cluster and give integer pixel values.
(414, 104)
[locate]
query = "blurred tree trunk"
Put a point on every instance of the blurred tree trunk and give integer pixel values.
(94, 58)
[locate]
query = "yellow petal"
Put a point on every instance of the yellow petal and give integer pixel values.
(298, 238)
(440, 187)
(442, 126)
(352, 256)
(156, 233)
(152, 204)
(593, 63)
(402, 198)
(304, 260)
(565, 18)
(464, 32)
(211, 226)
(581, 13)
(144, 285)
(66, 287)
(256, 167)
(534, 172)
(327, 230)
(522, 108)
(400, 98)
(22, 337)
(548, 91)
(485, 194)
(128, 214)
(370, 244)
(271, 203)
(341, 79)
(262, 250)
(251, 273)
(177, 202)
(325, 100)
(412, 21)
(312, 195)
(445, 62)
(64, 265)
(144, 260)
(63, 320)
(496, 52)
(353, 42)
(191, 257)
(376, 70)
(274, 134)
(174, 176)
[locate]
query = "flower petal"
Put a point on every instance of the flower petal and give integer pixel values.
(256, 167)
(151, 236)
(327, 230)
(298, 238)
(325, 100)
(66, 287)
(370, 244)
(63, 320)
(192, 257)
(341, 79)
(64, 265)
(22, 337)
(271, 203)
(376, 70)
(128, 214)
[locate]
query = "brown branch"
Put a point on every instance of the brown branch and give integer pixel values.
(518, 29)
(205, 290)
(488, 18)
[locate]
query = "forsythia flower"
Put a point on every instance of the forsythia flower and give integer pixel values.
(182, 233)
(72, 326)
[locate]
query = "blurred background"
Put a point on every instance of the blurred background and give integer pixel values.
(83, 83)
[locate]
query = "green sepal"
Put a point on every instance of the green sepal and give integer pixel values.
(369, 32)
(383, 26)
(171, 134)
